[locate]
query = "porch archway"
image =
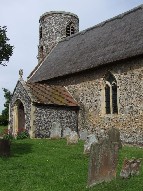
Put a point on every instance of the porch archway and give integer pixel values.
(21, 116)
(18, 116)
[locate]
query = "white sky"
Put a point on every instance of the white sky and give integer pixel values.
(22, 20)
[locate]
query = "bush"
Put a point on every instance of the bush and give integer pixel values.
(7, 135)
(22, 134)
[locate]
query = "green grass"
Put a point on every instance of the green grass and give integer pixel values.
(51, 165)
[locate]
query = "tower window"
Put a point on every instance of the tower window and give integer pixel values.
(70, 29)
(40, 32)
(41, 52)
(111, 105)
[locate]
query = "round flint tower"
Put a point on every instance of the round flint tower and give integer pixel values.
(54, 26)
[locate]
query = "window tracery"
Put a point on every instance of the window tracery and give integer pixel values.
(111, 105)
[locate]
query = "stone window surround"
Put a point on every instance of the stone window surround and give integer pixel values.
(103, 102)
(71, 27)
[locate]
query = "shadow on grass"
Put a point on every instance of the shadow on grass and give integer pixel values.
(18, 149)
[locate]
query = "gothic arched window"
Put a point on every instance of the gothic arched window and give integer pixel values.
(107, 99)
(70, 29)
(111, 105)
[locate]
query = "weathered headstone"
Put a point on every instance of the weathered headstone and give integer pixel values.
(130, 168)
(55, 130)
(66, 132)
(126, 169)
(103, 162)
(4, 147)
(72, 138)
(89, 141)
(83, 134)
(114, 136)
(135, 167)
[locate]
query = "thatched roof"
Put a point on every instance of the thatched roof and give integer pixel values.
(118, 38)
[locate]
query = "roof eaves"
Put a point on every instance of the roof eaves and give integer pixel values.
(40, 64)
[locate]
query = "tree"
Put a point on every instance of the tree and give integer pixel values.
(6, 49)
(5, 112)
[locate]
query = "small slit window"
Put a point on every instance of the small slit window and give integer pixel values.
(111, 105)
(40, 32)
(41, 52)
(70, 29)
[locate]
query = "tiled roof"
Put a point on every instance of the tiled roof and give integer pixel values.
(51, 95)
(116, 39)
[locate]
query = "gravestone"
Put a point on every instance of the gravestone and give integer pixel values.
(126, 169)
(66, 132)
(130, 168)
(83, 134)
(89, 141)
(4, 147)
(72, 138)
(114, 136)
(135, 167)
(55, 130)
(103, 162)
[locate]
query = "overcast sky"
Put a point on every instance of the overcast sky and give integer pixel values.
(21, 18)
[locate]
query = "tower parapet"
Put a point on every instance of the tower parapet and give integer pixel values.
(54, 26)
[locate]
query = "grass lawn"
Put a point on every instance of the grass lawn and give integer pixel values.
(51, 165)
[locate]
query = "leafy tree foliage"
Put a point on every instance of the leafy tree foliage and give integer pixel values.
(6, 49)
(5, 112)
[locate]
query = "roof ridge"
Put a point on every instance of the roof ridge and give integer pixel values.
(120, 16)
(116, 39)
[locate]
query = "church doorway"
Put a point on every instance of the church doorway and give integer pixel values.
(18, 117)
(21, 116)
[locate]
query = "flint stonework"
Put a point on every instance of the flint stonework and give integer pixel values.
(103, 162)
(39, 117)
(88, 90)
(80, 63)
(67, 118)
(53, 29)
(21, 94)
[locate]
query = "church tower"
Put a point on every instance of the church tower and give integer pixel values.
(54, 26)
